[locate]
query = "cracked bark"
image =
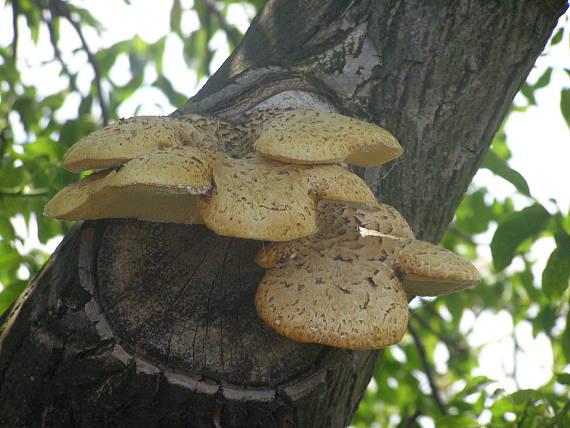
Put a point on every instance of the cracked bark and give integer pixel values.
(142, 324)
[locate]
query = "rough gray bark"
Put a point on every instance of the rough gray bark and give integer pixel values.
(142, 324)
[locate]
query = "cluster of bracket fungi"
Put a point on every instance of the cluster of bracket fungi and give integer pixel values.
(342, 265)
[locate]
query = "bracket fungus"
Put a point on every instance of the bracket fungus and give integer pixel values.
(159, 186)
(115, 144)
(309, 136)
(346, 285)
(207, 168)
(342, 269)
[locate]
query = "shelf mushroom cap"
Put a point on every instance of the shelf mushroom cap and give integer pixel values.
(252, 198)
(309, 136)
(328, 297)
(275, 201)
(230, 188)
(331, 287)
(429, 270)
(114, 144)
(359, 255)
(159, 186)
(344, 226)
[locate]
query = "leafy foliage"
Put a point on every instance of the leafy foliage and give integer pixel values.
(433, 375)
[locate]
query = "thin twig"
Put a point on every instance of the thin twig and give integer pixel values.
(61, 9)
(228, 29)
(410, 420)
(521, 421)
(461, 234)
(450, 343)
(428, 370)
(57, 52)
(15, 9)
(561, 414)
(208, 28)
(516, 350)
(387, 172)
(23, 194)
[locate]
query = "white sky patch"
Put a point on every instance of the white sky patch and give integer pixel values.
(539, 138)
(30, 235)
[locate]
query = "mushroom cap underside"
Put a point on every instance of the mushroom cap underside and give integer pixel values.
(159, 187)
(252, 198)
(429, 270)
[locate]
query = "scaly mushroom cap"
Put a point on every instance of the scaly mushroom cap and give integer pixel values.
(311, 137)
(236, 141)
(263, 199)
(345, 226)
(354, 250)
(334, 287)
(429, 270)
(115, 144)
(237, 192)
(330, 297)
(159, 186)
(252, 198)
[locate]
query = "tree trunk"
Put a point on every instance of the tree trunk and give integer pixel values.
(146, 324)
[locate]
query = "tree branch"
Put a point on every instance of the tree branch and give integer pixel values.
(15, 8)
(411, 420)
(451, 343)
(61, 9)
(228, 29)
(57, 52)
(428, 370)
(461, 234)
(24, 194)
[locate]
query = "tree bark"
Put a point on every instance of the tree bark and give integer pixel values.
(145, 324)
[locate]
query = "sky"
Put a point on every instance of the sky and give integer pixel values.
(539, 140)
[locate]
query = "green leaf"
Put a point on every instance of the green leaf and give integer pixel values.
(556, 274)
(528, 90)
(500, 167)
(562, 242)
(565, 105)
(85, 105)
(11, 293)
(6, 229)
(27, 108)
(474, 384)
(86, 18)
(175, 98)
(543, 80)
(514, 230)
(557, 38)
(156, 53)
(47, 228)
(501, 406)
(54, 101)
(565, 340)
(175, 17)
(563, 378)
(456, 421)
